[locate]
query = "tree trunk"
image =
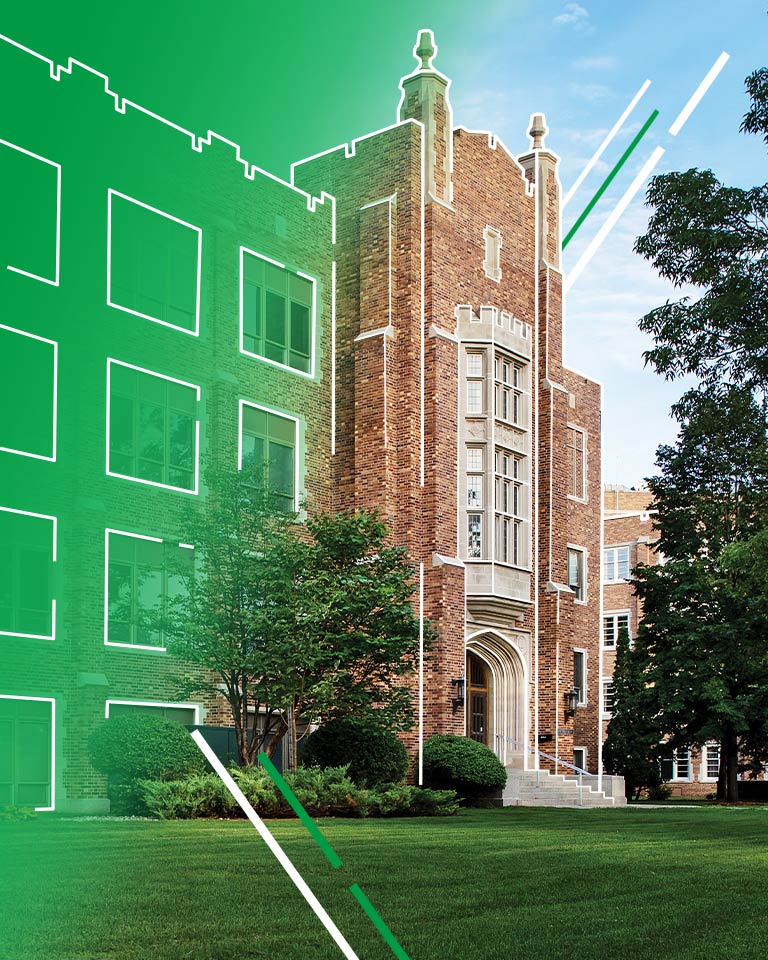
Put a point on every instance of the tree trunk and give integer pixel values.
(728, 783)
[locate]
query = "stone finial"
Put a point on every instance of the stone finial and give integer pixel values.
(425, 49)
(537, 131)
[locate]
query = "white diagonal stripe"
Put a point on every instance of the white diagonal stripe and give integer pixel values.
(609, 224)
(702, 88)
(616, 127)
(274, 846)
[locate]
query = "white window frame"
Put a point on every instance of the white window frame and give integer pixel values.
(154, 483)
(571, 452)
(704, 775)
(473, 379)
(608, 684)
(583, 551)
(54, 539)
(584, 755)
(614, 549)
(675, 777)
(584, 653)
(296, 448)
(136, 313)
(514, 388)
(52, 701)
(492, 259)
(54, 425)
(308, 375)
(614, 615)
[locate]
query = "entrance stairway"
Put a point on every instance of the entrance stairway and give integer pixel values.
(539, 788)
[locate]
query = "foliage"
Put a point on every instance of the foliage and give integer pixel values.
(373, 753)
(294, 622)
(463, 765)
(659, 791)
(128, 748)
(322, 793)
(9, 811)
(631, 747)
(713, 238)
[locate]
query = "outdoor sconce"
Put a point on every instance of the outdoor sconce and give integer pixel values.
(458, 700)
(571, 702)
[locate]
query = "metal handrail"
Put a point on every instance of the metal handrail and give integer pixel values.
(579, 771)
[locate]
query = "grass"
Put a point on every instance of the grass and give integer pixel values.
(485, 885)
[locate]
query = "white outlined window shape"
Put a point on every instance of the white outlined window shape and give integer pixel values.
(30, 195)
(492, 261)
(27, 564)
(28, 751)
(269, 442)
(141, 578)
(577, 462)
(186, 713)
(154, 264)
(278, 313)
(153, 428)
(28, 394)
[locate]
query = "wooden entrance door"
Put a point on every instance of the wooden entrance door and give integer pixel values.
(478, 694)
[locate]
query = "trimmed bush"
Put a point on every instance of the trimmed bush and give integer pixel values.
(322, 793)
(129, 749)
(371, 753)
(463, 765)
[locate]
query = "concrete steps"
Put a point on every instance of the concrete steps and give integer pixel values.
(539, 788)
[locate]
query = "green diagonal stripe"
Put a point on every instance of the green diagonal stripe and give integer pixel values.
(300, 812)
(383, 929)
(607, 182)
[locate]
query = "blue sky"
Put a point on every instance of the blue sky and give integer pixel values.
(581, 64)
(287, 81)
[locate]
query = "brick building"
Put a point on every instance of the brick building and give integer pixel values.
(389, 325)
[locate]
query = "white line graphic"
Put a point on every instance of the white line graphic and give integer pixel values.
(702, 88)
(614, 130)
(609, 224)
(274, 846)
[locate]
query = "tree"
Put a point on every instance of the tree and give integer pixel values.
(293, 622)
(631, 749)
(703, 633)
(714, 238)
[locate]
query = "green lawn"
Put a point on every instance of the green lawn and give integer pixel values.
(485, 885)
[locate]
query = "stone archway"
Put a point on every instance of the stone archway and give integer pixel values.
(507, 709)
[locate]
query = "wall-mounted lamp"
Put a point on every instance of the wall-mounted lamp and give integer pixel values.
(459, 685)
(571, 702)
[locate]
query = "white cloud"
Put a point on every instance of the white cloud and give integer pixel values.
(595, 63)
(573, 15)
(592, 92)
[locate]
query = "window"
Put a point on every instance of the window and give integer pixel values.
(30, 198)
(609, 692)
(474, 535)
(26, 751)
(268, 442)
(711, 761)
(475, 381)
(616, 564)
(27, 555)
(577, 463)
(510, 507)
(28, 378)
(577, 580)
(277, 313)
(580, 675)
(681, 765)
(492, 262)
(613, 624)
(508, 391)
(153, 430)
(186, 713)
(580, 757)
(144, 576)
(154, 264)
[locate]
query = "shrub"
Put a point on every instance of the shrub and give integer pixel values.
(322, 793)
(463, 765)
(10, 812)
(143, 747)
(659, 792)
(372, 753)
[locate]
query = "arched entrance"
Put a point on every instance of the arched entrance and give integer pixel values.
(497, 696)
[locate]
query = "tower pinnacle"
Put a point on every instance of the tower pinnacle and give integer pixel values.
(538, 130)
(425, 49)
